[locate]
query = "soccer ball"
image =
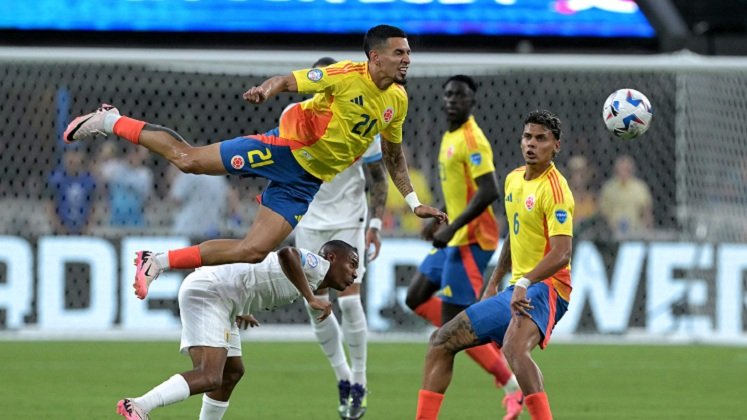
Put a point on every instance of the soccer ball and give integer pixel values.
(627, 113)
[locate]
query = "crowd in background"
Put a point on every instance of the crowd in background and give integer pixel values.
(114, 191)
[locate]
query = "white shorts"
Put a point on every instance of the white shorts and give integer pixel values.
(313, 239)
(207, 319)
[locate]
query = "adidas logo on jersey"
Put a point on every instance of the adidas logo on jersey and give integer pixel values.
(358, 100)
(509, 197)
(446, 292)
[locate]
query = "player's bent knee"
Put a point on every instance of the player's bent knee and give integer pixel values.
(205, 382)
(439, 341)
(450, 339)
(419, 292)
(438, 351)
(432, 338)
(412, 300)
(213, 381)
(233, 376)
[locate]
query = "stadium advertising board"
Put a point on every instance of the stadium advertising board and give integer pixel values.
(526, 18)
(689, 289)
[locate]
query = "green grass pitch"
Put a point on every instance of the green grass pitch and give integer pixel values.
(55, 380)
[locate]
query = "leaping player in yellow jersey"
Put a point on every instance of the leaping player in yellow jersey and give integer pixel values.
(539, 210)
(317, 140)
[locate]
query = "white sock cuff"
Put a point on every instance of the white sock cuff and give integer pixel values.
(511, 385)
(162, 260)
(216, 403)
(110, 119)
(178, 380)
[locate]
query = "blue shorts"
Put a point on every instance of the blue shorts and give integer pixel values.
(490, 317)
(462, 280)
(290, 189)
(433, 265)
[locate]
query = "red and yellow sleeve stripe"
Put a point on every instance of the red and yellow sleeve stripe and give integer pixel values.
(557, 192)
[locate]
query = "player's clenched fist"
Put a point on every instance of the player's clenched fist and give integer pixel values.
(255, 95)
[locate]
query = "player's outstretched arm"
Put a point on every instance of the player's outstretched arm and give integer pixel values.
(290, 262)
(270, 88)
(377, 193)
(487, 193)
(396, 164)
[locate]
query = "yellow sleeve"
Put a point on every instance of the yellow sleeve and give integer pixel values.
(318, 80)
(557, 206)
(480, 158)
(393, 132)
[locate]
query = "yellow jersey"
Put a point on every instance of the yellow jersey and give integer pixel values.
(464, 156)
(333, 129)
(537, 210)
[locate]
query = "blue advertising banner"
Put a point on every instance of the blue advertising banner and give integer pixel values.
(553, 18)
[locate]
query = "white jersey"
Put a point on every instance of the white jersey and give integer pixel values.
(263, 286)
(341, 203)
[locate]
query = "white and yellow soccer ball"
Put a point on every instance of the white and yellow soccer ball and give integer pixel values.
(627, 113)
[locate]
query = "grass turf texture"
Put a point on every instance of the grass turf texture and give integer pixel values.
(293, 381)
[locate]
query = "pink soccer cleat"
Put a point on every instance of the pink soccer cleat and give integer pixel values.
(89, 125)
(514, 404)
(146, 270)
(130, 410)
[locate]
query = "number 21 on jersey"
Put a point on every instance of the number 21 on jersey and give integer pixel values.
(258, 158)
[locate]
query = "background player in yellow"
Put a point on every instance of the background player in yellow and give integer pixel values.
(539, 210)
(315, 142)
(467, 174)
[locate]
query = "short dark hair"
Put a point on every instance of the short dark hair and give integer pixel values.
(463, 79)
(336, 245)
(324, 62)
(547, 119)
(378, 35)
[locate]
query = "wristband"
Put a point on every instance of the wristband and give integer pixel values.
(523, 282)
(374, 223)
(412, 200)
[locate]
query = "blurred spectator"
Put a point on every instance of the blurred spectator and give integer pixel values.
(586, 214)
(626, 201)
(129, 183)
(398, 217)
(206, 204)
(71, 187)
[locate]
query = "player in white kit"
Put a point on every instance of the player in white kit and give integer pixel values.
(216, 301)
(339, 211)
